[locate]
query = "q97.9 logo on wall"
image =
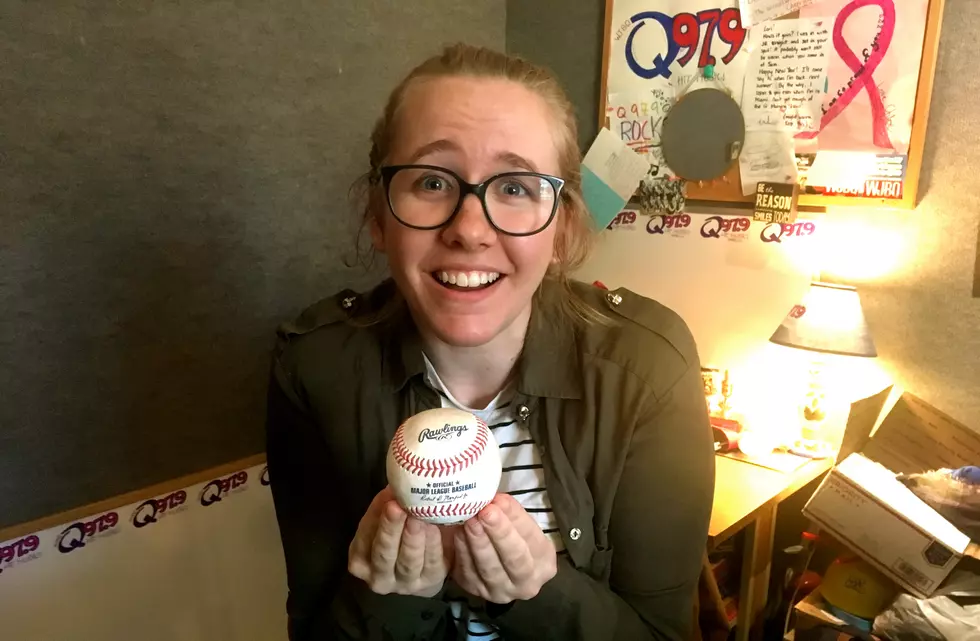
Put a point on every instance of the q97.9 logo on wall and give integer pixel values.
(687, 36)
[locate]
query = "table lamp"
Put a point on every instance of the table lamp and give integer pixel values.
(829, 320)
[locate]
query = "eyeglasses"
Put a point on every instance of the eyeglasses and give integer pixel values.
(517, 203)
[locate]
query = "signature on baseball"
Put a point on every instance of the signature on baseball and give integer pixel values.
(443, 433)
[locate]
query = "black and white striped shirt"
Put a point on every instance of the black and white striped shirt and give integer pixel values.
(522, 477)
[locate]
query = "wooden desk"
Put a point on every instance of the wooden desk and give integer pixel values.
(746, 497)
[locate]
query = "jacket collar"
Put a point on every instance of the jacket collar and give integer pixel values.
(549, 366)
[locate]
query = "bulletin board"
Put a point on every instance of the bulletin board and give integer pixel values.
(869, 120)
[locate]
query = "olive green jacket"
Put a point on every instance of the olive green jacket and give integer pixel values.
(617, 410)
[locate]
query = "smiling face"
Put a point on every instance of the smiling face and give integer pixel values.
(467, 283)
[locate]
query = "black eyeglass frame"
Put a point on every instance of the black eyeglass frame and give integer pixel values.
(479, 190)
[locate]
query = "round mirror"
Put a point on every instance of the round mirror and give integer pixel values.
(703, 134)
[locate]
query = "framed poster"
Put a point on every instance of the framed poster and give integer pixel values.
(871, 90)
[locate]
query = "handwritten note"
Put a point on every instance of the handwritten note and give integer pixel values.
(787, 75)
(611, 172)
(637, 118)
(767, 156)
(756, 11)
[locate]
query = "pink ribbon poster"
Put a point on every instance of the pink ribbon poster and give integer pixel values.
(872, 75)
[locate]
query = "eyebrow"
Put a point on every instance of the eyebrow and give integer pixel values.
(437, 146)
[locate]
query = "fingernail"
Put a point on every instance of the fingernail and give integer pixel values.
(393, 510)
(489, 515)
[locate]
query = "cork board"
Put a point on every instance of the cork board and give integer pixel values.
(629, 21)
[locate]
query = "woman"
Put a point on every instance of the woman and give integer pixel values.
(595, 397)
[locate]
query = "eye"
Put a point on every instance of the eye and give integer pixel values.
(433, 183)
(513, 188)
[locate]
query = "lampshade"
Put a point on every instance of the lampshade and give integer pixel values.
(829, 320)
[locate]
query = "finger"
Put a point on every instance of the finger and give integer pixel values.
(484, 555)
(359, 550)
(512, 549)
(523, 522)
(411, 551)
(384, 549)
(464, 570)
(435, 560)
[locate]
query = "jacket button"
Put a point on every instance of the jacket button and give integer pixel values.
(614, 299)
(523, 412)
(348, 302)
(575, 534)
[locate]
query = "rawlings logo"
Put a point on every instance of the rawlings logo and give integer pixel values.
(443, 433)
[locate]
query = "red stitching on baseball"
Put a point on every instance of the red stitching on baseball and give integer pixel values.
(440, 467)
(447, 509)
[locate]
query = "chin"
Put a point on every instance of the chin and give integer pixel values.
(467, 333)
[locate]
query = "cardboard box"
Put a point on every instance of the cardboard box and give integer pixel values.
(862, 504)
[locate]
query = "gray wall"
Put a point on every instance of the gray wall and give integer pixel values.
(926, 323)
(174, 179)
(565, 36)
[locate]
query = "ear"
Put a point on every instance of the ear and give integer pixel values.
(377, 234)
(558, 244)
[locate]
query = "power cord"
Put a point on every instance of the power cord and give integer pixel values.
(796, 590)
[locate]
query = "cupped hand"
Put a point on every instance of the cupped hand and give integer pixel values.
(502, 555)
(394, 553)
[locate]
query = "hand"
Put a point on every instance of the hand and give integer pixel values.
(502, 555)
(396, 553)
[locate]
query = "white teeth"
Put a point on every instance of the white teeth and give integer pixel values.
(467, 279)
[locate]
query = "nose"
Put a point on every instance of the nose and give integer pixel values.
(470, 228)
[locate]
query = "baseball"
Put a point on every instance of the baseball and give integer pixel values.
(443, 466)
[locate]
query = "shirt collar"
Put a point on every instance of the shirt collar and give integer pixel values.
(549, 365)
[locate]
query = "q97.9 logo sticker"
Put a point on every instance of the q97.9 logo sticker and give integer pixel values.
(687, 35)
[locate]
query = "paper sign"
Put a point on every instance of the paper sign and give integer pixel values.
(611, 172)
(873, 73)
(637, 118)
(767, 156)
(665, 45)
(756, 11)
(845, 171)
(855, 173)
(787, 74)
(776, 202)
